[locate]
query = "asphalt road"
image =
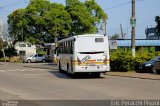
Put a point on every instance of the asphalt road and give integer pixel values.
(37, 82)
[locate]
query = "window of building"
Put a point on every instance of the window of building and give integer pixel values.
(22, 53)
(29, 45)
(22, 45)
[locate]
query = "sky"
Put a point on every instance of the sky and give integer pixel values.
(118, 11)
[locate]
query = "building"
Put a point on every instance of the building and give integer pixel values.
(25, 48)
(50, 51)
(139, 43)
(151, 33)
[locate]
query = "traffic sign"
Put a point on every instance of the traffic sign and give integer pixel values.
(133, 21)
(113, 44)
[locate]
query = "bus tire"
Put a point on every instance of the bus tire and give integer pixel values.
(60, 69)
(97, 75)
(158, 72)
(68, 69)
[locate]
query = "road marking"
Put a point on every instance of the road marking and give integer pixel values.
(2, 71)
(11, 70)
(36, 74)
(23, 70)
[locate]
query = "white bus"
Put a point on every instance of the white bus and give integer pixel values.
(87, 53)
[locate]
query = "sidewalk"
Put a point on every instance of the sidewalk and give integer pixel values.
(135, 75)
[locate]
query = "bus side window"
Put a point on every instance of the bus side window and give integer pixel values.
(71, 50)
(68, 51)
(67, 47)
(63, 47)
(59, 49)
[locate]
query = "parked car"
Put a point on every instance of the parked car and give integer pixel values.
(36, 58)
(152, 66)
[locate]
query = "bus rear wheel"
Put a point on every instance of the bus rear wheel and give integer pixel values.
(97, 75)
(59, 64)
(68, 69)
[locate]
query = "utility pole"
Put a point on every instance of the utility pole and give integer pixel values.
(133, 24)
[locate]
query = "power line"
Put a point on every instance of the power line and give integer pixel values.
(15, 4)
(116, 6)
(119, 5)
(18, 13)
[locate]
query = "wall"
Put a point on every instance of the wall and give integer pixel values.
(27, 47)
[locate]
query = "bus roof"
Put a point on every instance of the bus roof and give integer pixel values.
(85, 35)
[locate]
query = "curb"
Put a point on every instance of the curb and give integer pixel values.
(132, 76)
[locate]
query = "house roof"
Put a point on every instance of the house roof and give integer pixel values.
(139, 42)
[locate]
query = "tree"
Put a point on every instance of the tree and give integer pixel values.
(157, 19)
(81, 18)
(60, 24)
(115, 37)
(98, 15)
(1, 46)
(1, 43)
(18, 25)
(39, 22)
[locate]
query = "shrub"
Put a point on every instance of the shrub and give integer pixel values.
(15, 59)
(11, 59)
(3, 59)
(123, 61)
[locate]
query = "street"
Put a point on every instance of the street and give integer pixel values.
(37, 82)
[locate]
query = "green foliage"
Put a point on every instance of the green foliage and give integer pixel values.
(10, 52)
(42, 20)
(61, 21)
(11, 59)
(86, 17)
(40, 51)
(1, 43)
(81, 18)
(115, 36)
(97, 14)
(123, 61)
(4, 59)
